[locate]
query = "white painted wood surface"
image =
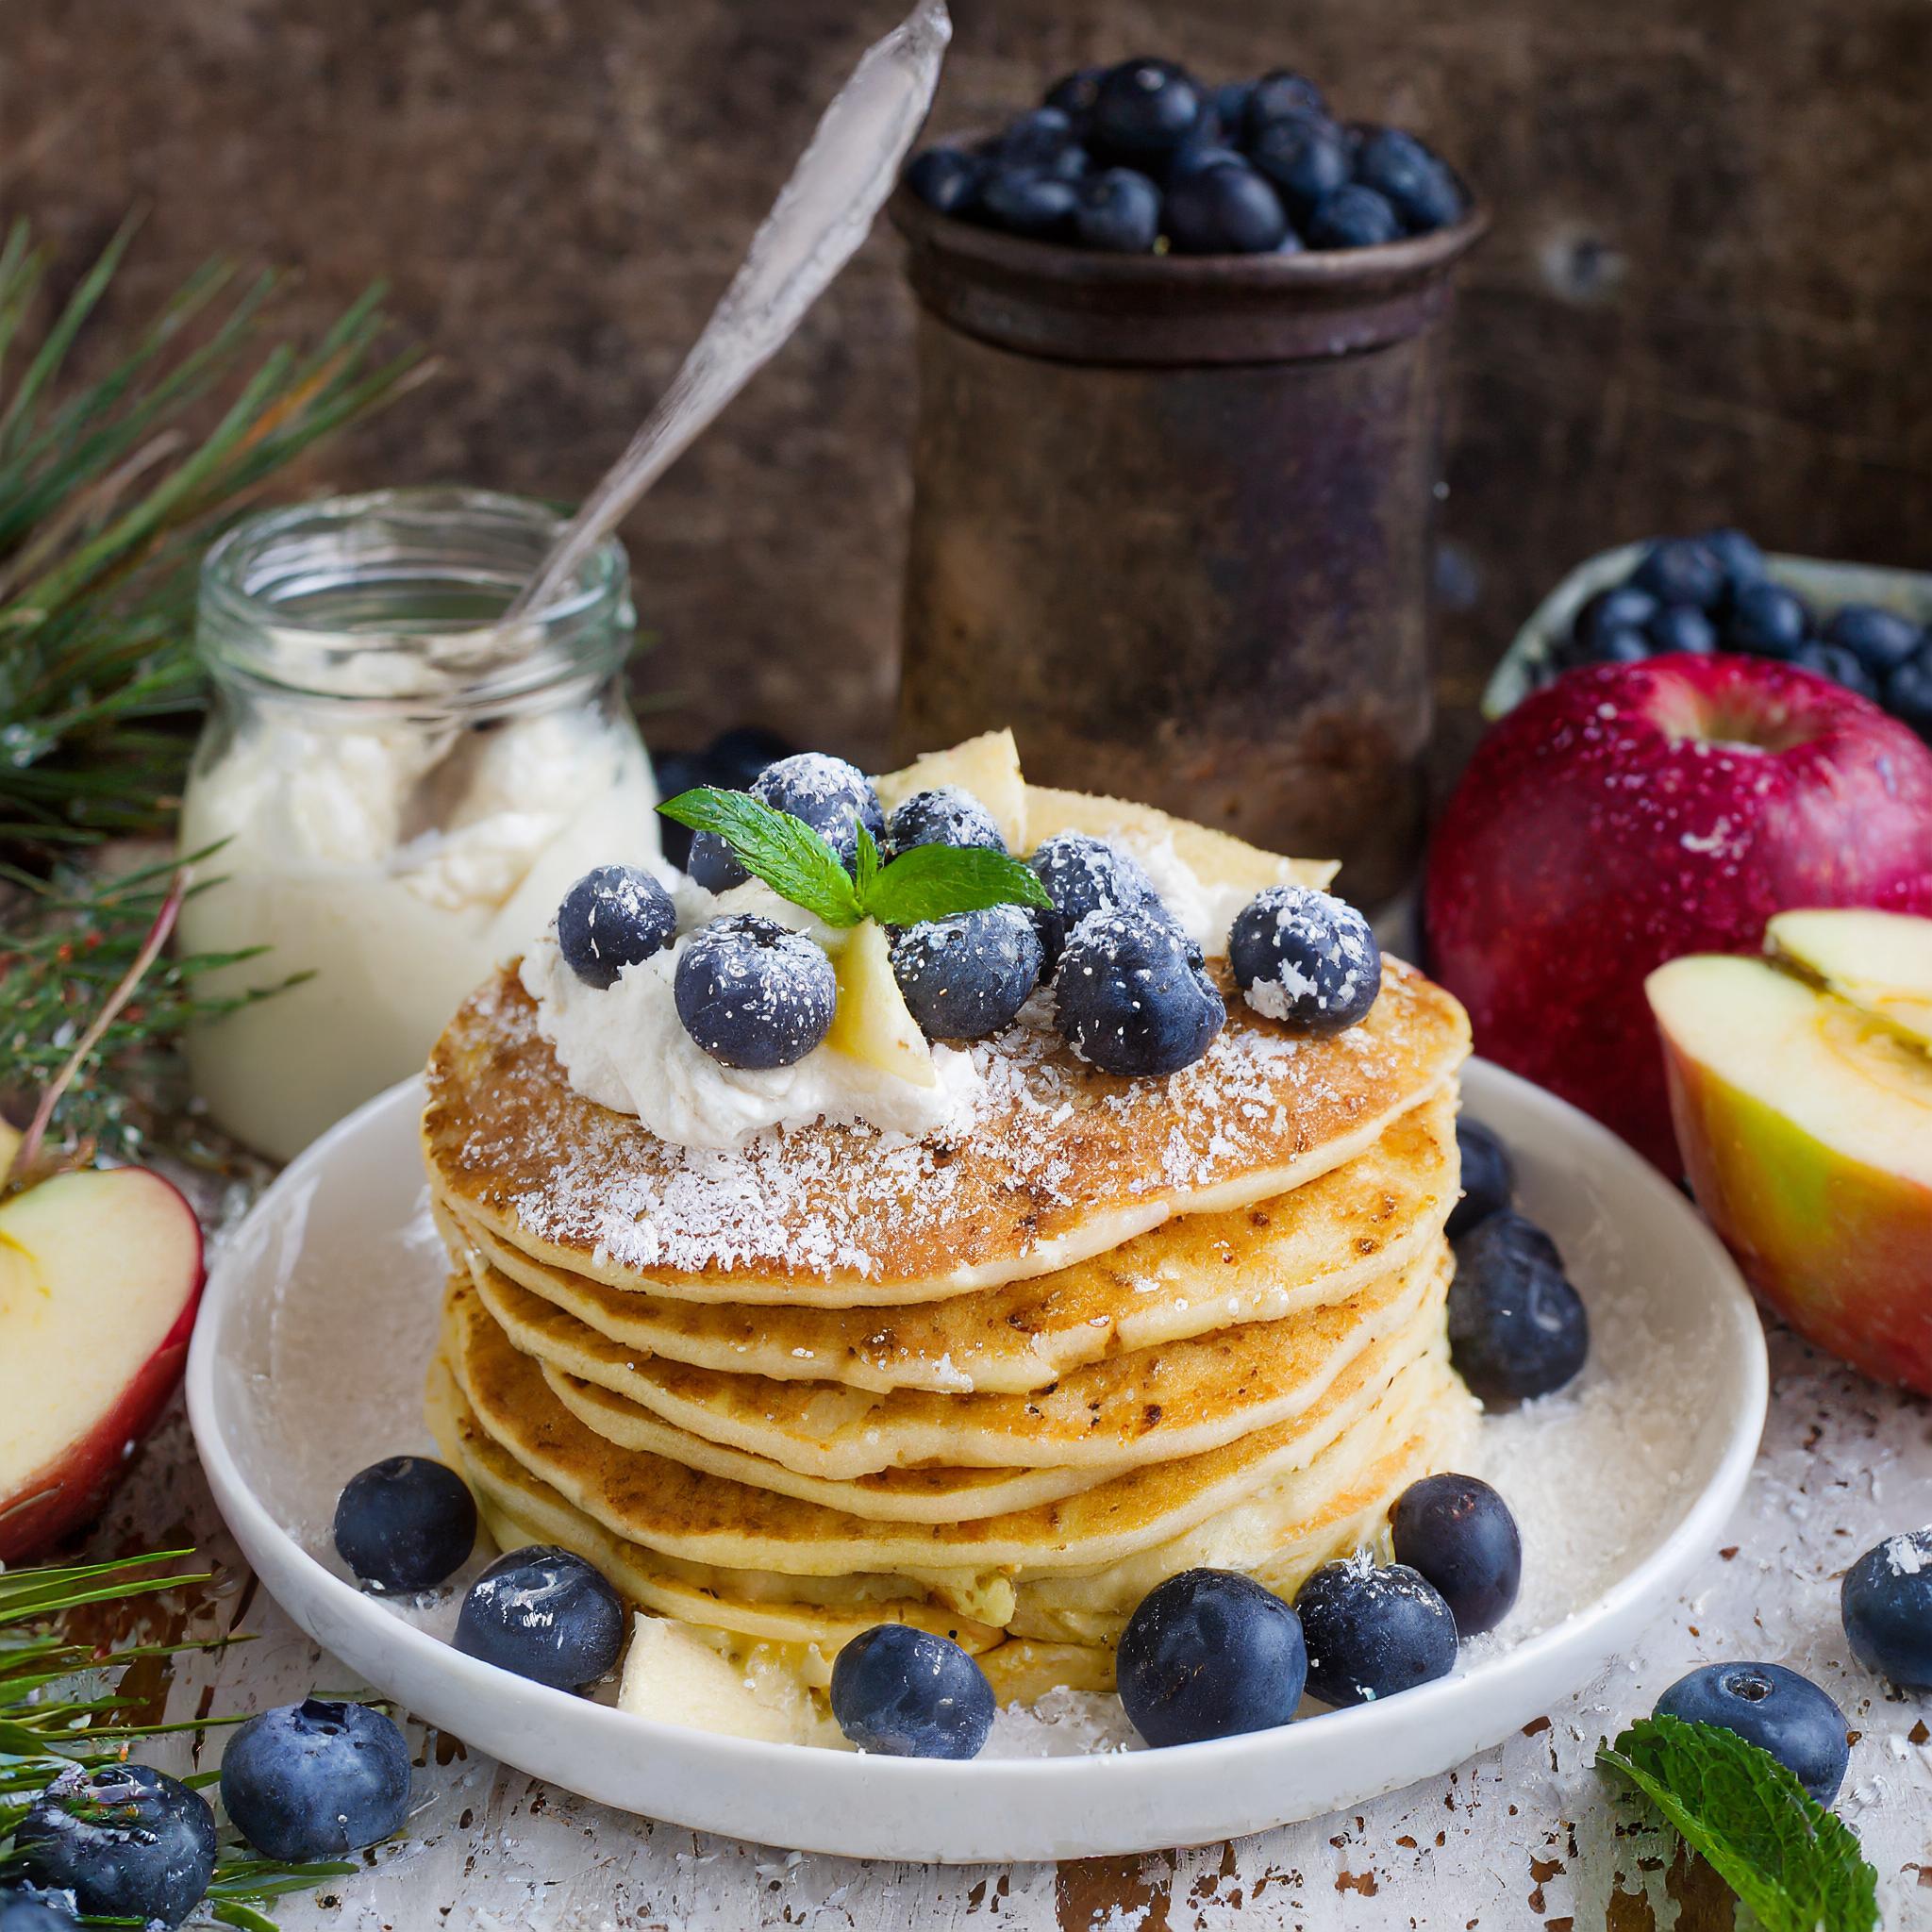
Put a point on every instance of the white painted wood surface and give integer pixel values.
(1524, 1836)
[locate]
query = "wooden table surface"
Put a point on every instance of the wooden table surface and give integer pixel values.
(1523, 1836)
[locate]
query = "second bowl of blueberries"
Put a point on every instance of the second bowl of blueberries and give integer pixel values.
(1143, 158)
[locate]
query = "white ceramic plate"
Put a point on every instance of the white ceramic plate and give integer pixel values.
(308, 1364)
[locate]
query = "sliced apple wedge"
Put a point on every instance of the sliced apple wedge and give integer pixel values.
(873, 1022)
(1805, 1129)
(987, 767)
(100, 1272)
(1880, 962)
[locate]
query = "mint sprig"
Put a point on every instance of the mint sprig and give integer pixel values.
(929, 882)
(1796, 1866)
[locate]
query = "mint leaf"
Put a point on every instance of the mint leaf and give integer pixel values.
(936, 881)
(1796, 1866)
(783, 850)
(865, 866)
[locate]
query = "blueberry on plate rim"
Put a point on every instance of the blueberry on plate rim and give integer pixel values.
(545, 1614)
(1209, 1654)
(1489, 1175)
(405, 1524)
(129, 1841)
(905, 1692)
(1517, 1327)
(753, 993)
(1459, 1534)
(1132, 995)
(1775, 1709)
(1886, 1601)
(316, 1780)
(1305, 958)
(1372, 1630)
(966, 977)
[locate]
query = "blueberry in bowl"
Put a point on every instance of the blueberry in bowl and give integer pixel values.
(1489, 1175)
(1372, 1630)
(1132, 995)
(1414, 182)
(1775, 1709)
(1766, 620)
(1881, 641)
(1680, 569)
(1143, 110)
(1456, 1532)
(316, 1780)
(405, 1524)
(1226, 207)
(1118, 213)
(947, 179)
(1353, 217)
(544, 1615)
(1209, 1654)
(129, 1841)
(753, 993)
(1517, 1327)
(904, 1692)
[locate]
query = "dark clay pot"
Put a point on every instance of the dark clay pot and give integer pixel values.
(1172, 521)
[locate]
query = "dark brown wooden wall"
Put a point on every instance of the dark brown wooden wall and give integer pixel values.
(1708, 294)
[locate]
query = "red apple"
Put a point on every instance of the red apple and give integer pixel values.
(1628, 814)
(100, 1273)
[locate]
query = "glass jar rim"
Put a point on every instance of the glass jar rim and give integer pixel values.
(258, 624)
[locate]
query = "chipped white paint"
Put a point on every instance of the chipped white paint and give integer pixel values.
(1523, 1836)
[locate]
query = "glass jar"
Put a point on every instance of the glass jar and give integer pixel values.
(402, 784)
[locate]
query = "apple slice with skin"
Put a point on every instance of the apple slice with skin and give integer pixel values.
(100, 1274)
(1806, 1129)
(1880, 962)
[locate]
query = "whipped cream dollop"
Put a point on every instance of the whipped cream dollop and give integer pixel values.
(625, 1047)
(1204, 912)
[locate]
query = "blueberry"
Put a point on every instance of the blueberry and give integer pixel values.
(1456, 1532)
(1081, 875)
(1227, 107)
(614, 917)
(1410, 179)
(967, 977)
(1304, 157)
(404, 1523)
(909, 1693)
(1775, 1709)
(1622, 647)
(945, 816)
(946, 178)
(1278, 94)
(1305, 958)
(1353, 217)
(1880, 640)
(1517, 1328)
(829, 795)
(1622, 608)
(1143, 110)
(1036, 138)
(1209, 1654)
(1886, 1600)
(1031, 201)
(754, 993)
(1680, 569)
(127, 1840)
(1908, 692)
(1741, 560)
(1198, 152)
(1119, 211)
(1226, 209)
(1371, 1631)
(1682, 628)
(1489, 1175)
(316, 1780)
(1767, 621)
(28, 1908)
(1132, 995)
(675, 772)
(1075, 94)
(544, 1615)
(739, 755)
(1838, 664)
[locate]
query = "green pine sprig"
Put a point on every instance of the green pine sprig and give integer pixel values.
(59, 1706)
(1792, 1863)
(927, 882)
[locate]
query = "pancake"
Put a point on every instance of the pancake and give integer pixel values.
(1316, 1246)
(1152, 1406)
(683, 1512)
(1063, 1164)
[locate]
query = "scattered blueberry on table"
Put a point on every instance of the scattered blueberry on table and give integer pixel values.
(404, 1523)
(1714, 593)
(905, 1692)
(1209, 1654)
(1144, 157)
(1372, 1630)
(1775, 1709)
(1886, 1601)
(129, 1841)
(544, 1615)
(316, 1780)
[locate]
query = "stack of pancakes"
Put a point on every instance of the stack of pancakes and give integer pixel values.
(998, 1386)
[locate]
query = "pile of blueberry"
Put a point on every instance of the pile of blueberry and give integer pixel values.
(1713, 593)
(1132, 994)
(1142, 155)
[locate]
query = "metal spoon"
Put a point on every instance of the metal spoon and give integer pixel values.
(822, 214)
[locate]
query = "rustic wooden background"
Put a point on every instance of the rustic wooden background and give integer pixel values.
(1707, 295)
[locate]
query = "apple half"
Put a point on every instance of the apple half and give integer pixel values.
(100, 1274)
(1805, 1122)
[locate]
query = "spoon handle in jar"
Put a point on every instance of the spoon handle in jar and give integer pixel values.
(815, 226)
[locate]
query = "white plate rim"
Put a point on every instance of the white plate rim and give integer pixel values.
(1001, 1810)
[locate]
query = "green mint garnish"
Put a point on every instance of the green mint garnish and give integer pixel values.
(1796, 1866)
(929, 882)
